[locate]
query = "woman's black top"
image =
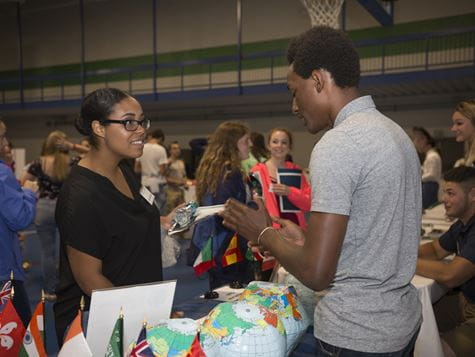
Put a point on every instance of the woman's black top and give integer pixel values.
(97, 219)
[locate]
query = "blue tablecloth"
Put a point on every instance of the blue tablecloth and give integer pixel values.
(199, 307)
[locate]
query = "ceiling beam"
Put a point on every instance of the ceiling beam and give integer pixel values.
(379, 13)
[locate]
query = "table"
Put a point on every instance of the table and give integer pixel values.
(428, 342)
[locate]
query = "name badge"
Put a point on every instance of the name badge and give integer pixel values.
(149, 197)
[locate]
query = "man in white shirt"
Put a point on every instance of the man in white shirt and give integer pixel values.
(152, 165)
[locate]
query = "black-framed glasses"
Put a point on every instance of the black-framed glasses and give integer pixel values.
(129, 124)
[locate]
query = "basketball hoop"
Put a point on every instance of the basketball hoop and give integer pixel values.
(323, 12)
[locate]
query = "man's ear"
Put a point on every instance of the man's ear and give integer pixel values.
(98, 129)
(471, 194)
(318, 79)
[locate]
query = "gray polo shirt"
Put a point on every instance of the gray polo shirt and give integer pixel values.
(366, 168)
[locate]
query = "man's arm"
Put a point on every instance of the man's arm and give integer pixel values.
(432, 251)
(451, 274)
(314, 263)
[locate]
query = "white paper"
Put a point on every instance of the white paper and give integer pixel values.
(152, 301)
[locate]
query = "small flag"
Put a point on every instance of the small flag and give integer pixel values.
(142, 349)
(11, 331)
(195, 348)
(33, 341)
(115, 347)
(205, 260)
(75, 343)
(233, 254)
(5, 292)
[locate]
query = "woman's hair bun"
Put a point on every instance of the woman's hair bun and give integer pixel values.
(82, 127)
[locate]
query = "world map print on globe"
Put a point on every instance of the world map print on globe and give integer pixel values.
(283, 301)
(172, 337)
(242, 329)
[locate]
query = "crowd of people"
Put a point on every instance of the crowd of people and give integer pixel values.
(352, 232)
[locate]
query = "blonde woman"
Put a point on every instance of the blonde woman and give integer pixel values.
(464, 129)
(50, 170)
(219, 177)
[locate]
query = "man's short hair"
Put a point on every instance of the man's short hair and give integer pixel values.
(323, 47)
(158, 134)
(463, 175)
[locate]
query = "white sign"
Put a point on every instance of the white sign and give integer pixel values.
(151, 301)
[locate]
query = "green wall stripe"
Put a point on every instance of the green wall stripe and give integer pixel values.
(456, 41)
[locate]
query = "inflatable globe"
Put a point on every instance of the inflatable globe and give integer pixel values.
(307, 296)
(284, 302)
(242, 329)
(172, 337)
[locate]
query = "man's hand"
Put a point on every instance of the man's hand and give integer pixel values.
(290, 231)
(31, 185)
(247, 221)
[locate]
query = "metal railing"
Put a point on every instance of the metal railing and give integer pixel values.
(413, 52)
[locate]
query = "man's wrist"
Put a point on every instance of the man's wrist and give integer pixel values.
(261, 235)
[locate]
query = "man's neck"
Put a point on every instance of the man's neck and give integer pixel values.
(342, 98)
(468, 215)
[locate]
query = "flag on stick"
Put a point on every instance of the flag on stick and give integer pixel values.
(115, 347)
(5, 292)
(205, 260)
(75, 343)
(11, 331)
(233, 254)
(142, 348)
(195, 348)
(33, 341)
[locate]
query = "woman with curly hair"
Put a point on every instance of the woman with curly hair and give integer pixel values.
(220, 177)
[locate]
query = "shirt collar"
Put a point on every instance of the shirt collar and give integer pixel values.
(466, 227)
(356, 105)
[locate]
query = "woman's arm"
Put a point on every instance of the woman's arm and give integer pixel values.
(87, 271)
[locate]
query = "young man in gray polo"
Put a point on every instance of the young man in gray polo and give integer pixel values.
(361, 245)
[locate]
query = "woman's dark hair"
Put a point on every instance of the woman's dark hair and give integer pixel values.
(97, 105)
(429, 139)
(259, 149)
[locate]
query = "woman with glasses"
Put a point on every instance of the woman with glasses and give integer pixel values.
(109, 226)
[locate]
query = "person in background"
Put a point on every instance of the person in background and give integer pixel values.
(109, 226)
(152, 165)
(197, 146)
(431, 166)
(17, 211)
(7, 155)
(463, 127)
(360, 249)
(279, 143)
(177, 181)
(220, 177)
(50, 170)
(259, 152)
(455, 312)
